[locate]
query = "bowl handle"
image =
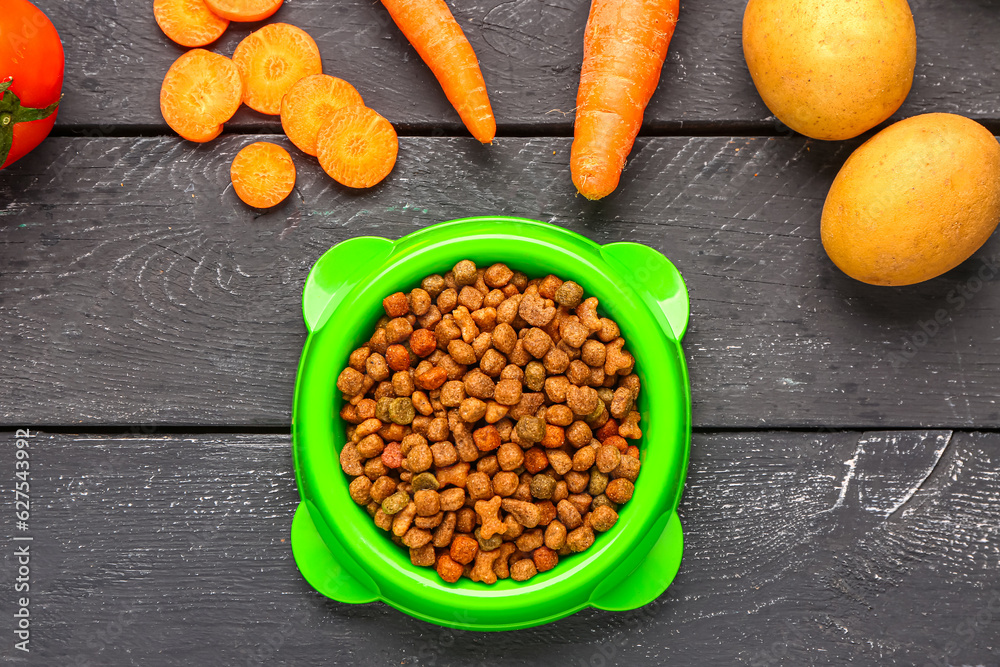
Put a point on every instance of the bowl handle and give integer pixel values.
(653, 277)
(651, 577)
(319, 566)
(336, 272)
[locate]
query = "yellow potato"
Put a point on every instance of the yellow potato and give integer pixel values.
(830, 69)
(914, 201)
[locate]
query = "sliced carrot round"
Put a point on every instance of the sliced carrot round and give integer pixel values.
(263, 174)
(201, 91)
(272, 60)
(357, 147)
(244, 10)
(309, 104)
(188, 22)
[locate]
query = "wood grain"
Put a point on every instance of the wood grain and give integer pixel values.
(801, 548)
(136, 288)
(530, 52)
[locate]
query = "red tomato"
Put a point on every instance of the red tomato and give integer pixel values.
(31, 78)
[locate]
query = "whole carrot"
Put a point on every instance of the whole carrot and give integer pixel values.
(437, 37)
(623, 51)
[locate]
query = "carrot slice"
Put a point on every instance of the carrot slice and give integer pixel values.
(263, 174)
(244, 10)
(309, 104)
(272, 60)
(357, 147)
(201, 91)
(188, 22)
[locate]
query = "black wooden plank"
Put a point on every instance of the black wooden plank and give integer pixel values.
(530, 53)
(137, 288)
(801, 548)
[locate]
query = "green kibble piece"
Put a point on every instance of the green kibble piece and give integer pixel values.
(401, 411)
(382, 409)
(598, 482)
(542, 487)
(602, 500)
(534, 375)
(530, 429)
(490, 544)
(395, 503)
(595, 416)
(423, 481)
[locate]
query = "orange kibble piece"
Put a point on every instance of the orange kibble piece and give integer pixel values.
(244, 10)
(271, 61)
(201, 91)
(263, 174)
(188, 22)
(308, 105)
(357, 147)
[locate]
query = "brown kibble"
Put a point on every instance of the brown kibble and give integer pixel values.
(466, 324)
(581, 501)
(548, 286)
(398, 330)
(495, 412)
(569, 294)
(482, 571)
(580, 539)
(422, 556)
(382, 488)
(524, 569)
(396, 305)
(603, 518)
(349, 413)
(569, 515)
(471, 298)
(501, 566)
(463, 437)
(584, 458)
(428, 522)
(383, 520)
(560, 461)
(465, 272)
(419, 301)
(427, 501)
(531, 539)
(350, 460)
(628, 468)
(534, 375)
(403, 520)
(447, 300)
(519, 356)
(618, 361)
(462, 352)
(608, 458)
(559, 415)
(498, 275)
(630, 427)
(374, 468)
(445, 531)
(402, 383)
(582, 400)
(438, 429)
(492, 363)
(428, 320)
(505, 483)
(593, 353)
(555, 535)
(621, 403)
(542, 487)
(452, 393)
(463, 549)
(370, 445)
(609, 330)
(619, 490)
(360, 490)
(573, 333)
(544, 559)
(507, 392)
(535, 310)
(418, 459)
(448, 569)
(431, 379)
(471, 410)
(510, 456)
(555, 437)
(486, 438)
(489, 517)
(421, 403)
(504, 338)
(451, 500)
(556, 361)
(415, 537)
(357, 358)
(478, 486)
(455, 475)
(350, 381)
(525, 512)
(432, 284)
(579, 434)
(479, 385)
(537, 343)
(557, 388)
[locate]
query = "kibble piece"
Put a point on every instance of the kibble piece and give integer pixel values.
(396, 305)
(619, 490)
(350, 381)
(630, 427)
(542, 487)
(568, 514)
(580, 539)
(427, 501)
(452, 393)
(555, 535)
(531, 539)
(544, 559)
(401, 411)
(530, 429)
(603, 518)
(479, 385)
(451, 500)
(463, 549)
(419, 459)
(350, 460)
(424, 480)
(433, 284)
(507, 392)
(526, 513)
(397, 330)
(465, 272)
(628, 468)
(466, 520)
(423, 342)
(510, 456)
(618, 361)
(535, 460)
(560, 461)
(573, 333)
(598, 482)
(593, 353)
(462, 352)
(486, 438)
(471, 410)
(584, 458)
(382, 488)
(495, 412)
(395, 503)
(471, 298)
(431, 379)
(447, 300)
(482, 571)
(579, 434)
(608, 458)
(489, 517)
(478, 486)
(556, 388)
(535, 310)
(448, 569)
(456, 475)
(523, 570)
(492, 362)
(360, 490)
(556, 361)
(416, 537)
(537, 343)
(569, 294)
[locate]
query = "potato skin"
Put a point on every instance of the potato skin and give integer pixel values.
(830, 69)
(916, 200)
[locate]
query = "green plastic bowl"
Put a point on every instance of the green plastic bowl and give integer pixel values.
(338, 548)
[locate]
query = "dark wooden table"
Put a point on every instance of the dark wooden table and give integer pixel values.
(843, 500)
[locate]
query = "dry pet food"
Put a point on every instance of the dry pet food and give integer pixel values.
(489, 419)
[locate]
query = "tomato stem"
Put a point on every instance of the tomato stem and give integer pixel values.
(12, 113)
